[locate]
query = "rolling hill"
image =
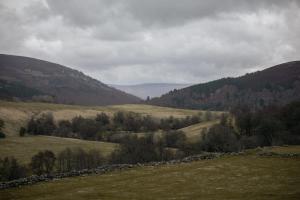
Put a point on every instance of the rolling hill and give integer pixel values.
(32, 79)
(276, 85)
(149, 89)
(17, 114)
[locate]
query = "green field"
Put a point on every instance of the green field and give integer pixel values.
(193, 133)
(231, 177)
(23, 148)
(16, 114)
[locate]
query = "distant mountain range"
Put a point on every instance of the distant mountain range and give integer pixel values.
(150, 89)
(23, 78)
(276, 85)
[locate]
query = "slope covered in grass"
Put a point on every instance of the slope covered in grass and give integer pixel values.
(23, 148)
(231, 177)
(193, 133)
(16, 114)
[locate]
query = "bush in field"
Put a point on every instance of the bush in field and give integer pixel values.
(119, 118)
(136, 150)
(2, 135)
(103, 119)
(77, 159)
(132, 122)
(220, 139)
(10, 169)
(175, 139)
(43, 125)
(1, 124)
(149, 124)
(43, 162)
(85, 128)
(64, 129)
(271, 125)
(208, 116)
(22, 131)
(290, 116)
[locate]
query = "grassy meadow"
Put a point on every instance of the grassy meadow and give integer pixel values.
(23, 148)
(193, 132)
(17, 114)
(231, 177)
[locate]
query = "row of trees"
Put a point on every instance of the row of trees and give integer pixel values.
(10, 169)
(149, 148)
(272, 125)
(102, 127)
(268, 126)
(2, 135)
(46, 162)
(133, 149)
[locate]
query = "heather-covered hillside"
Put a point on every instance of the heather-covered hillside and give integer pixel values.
(32, 79)
(276, 85)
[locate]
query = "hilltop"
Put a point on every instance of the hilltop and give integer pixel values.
(276, 85)
(26, 78)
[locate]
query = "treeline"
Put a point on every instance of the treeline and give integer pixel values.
(103, 126)
(46, 162)
(131, 150)
(149, 148)
(272, 125)
(241, 129)
(2, 134)
(10, 169)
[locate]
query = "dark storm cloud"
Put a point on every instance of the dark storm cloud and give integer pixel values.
(136, 41)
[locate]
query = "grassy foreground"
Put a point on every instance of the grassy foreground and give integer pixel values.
(231, 177)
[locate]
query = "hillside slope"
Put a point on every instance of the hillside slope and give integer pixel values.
(279, 84)
(32, 79)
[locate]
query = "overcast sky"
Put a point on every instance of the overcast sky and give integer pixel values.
(141, 41)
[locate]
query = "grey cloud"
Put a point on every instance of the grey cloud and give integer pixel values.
(135, 41)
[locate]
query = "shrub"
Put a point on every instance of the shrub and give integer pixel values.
(64, 129)
(43, 125)
(22, 132)
(103, 119)
(77, 159)
(136, 150)
(85, 128)
(10, 169)
(175, 139)
(220, 139)
(43, 162)
(2, 135)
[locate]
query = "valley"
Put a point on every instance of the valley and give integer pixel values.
(17, 114)
(149, 100)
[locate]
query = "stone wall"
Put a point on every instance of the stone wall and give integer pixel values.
(103, 169)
